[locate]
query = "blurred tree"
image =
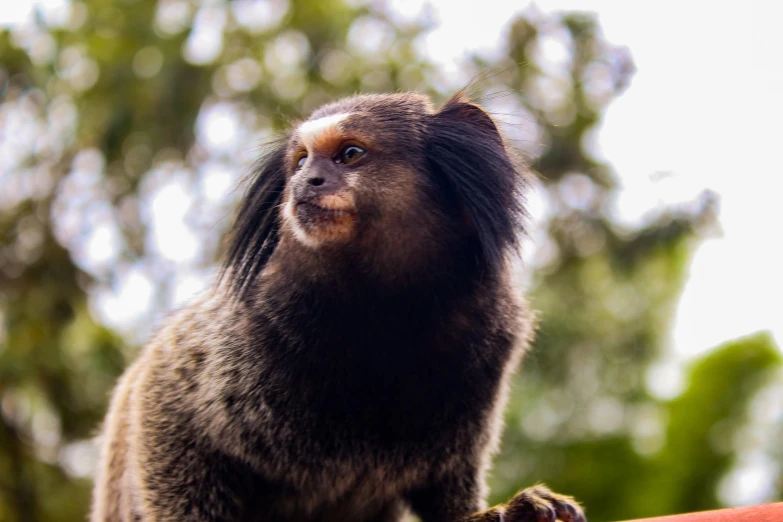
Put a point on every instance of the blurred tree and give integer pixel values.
(123, 126)
(582, 418)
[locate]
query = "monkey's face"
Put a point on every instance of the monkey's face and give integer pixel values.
(355, 176)
(325, 162)
(385, 181)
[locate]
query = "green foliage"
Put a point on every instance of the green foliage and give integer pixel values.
(674, 464)
(704, 422)
(102, 109)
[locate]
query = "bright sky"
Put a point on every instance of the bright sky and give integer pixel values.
(705, 107)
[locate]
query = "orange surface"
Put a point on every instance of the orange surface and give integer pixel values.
(763, 513)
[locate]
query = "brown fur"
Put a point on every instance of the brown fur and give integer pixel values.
(353, 362)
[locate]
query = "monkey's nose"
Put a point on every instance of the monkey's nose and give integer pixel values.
(321, 183)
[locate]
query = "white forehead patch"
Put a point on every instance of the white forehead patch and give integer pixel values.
(311, 131)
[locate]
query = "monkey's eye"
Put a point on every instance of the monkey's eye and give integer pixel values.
(350, 154)
(301, 162)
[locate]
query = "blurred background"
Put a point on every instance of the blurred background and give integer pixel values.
(656, 384)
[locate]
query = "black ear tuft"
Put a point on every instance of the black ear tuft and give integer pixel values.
(466, 154)
(257, 226)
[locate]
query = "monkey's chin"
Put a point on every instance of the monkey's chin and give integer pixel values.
(314, 225)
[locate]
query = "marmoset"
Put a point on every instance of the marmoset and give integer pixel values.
(351, 363)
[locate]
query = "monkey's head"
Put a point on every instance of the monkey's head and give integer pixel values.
(387, 182)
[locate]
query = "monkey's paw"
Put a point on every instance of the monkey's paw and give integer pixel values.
(539, 504)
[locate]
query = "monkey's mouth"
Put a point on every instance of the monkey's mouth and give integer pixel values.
(326, 208)
(322, 218)
(326, 219)
(315, 208)
(310, 211)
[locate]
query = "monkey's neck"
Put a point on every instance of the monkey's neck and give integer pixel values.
(361, 350)
(343, 298)
(350, 309)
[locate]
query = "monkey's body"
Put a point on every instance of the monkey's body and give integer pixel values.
(322, 426)
(339, 379)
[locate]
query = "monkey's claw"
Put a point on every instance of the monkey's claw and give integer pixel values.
(539, 504)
